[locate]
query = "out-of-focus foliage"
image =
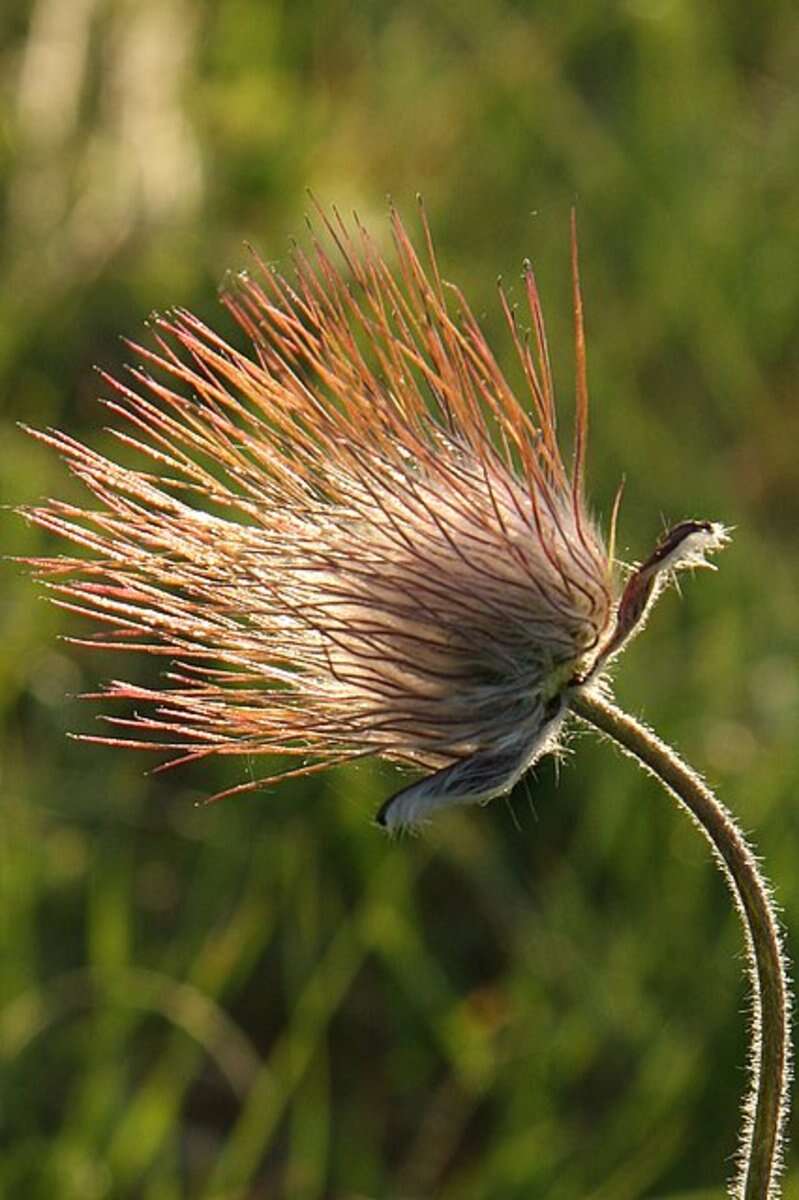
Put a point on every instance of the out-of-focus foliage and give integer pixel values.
(268, 999)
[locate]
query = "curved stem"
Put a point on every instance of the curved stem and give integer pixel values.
(766, 1105)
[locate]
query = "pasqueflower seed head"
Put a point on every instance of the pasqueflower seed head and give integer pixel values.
(353, 540)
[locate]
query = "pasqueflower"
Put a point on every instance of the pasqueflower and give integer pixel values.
(354, 539)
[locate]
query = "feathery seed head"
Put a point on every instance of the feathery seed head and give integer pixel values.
(355, 540)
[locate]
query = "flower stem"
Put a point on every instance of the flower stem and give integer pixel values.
(766, 1105)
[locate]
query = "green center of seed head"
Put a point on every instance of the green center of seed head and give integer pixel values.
(561, 676)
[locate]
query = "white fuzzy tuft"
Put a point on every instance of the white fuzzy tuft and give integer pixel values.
(691, 552)
(477, 779)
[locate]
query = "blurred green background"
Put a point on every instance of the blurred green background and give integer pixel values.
(269, 999)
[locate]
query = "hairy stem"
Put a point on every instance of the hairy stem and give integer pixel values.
(766, 1104)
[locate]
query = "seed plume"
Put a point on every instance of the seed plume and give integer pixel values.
(352, 540)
